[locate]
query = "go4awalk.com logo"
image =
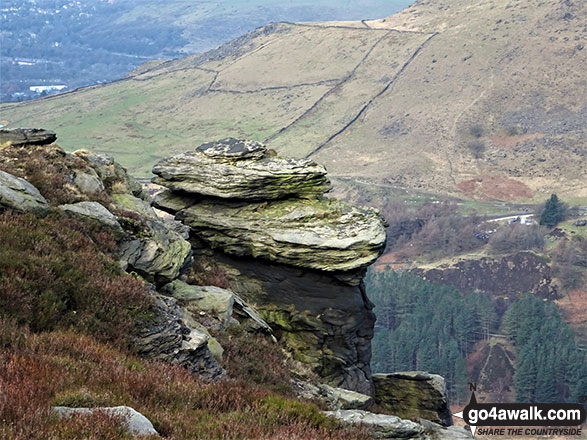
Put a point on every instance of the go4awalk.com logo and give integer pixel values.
(527, 419)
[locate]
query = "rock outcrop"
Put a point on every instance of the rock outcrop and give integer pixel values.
(26, 136)
(93, 211)
(19, 195)
(383, 426)
(237, 169)
(167, 338)
(295, 255)
(394, 428)
(413, 395)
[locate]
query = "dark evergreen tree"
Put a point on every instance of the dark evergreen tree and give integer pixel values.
(553, 213)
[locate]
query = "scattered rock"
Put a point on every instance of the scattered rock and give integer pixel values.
(93, 211)
(113, 175)
(581, 222)
(129, 202)
(237, 169)
(137, 423)
(413, 395)
(437, 432)
(250, 318)
(208, 299)
(88, 183)
(333, 398)
(384, 426)
(26, 136)
(155, 251)
(19, 195)
(166, 337)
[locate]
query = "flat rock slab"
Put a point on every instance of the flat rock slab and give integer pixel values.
(19, 195)
(324, 234)
(26, 136)
(233, 149)
(413, 395)
(93, 211)
(384, 426)
(137, 423)
(236, 169)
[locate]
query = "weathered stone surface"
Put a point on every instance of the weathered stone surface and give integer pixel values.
(438, 432)
(113, 175)
(323, 322)
(233, 149)
(333, 398)
(88, 183)
(383, 426)
(320, 234)
(234, 169)
(19, 195)
(172, 202)
(129, 202)
(249, 318)
(156, 252)
(92, 211)
(137, 423)
(208, 299)
(413, 395)
(167, 338)
(26, 136)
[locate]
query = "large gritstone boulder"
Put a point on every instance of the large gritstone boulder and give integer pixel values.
(237, 169)
(26, 136)
(19, 195)
(413, 395)
(296, 256)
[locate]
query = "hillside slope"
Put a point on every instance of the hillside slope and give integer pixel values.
(483, 100)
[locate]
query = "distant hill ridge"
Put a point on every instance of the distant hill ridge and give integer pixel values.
(482, 99)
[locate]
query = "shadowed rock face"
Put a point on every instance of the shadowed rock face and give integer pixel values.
(413, 395)
(26, 136)
(295, 255)
(324, 322)
(238, 169)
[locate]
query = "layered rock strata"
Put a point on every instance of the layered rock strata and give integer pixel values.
(236, 169)
(295, 255)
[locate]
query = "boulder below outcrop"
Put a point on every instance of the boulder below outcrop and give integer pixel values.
(391, 427)
(240, 169)
(202, 299)
(137, 424)
(93, 211)
(413, 395)
(26, 136)
(154, 251)
(167, 338)
(383, 426)
(19, 195)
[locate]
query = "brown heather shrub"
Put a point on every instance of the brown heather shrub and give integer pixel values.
(256, 359)
(54, 274)
(54, 367)
(207, 273)
(49, 169)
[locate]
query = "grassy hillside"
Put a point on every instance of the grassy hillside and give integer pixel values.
(484, 100)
